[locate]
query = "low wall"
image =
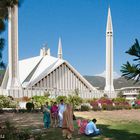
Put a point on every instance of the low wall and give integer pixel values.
(55, 93)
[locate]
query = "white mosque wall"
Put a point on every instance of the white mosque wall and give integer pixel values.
(54, 93)
(62, 78)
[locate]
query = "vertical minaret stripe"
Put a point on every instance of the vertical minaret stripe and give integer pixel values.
(14, 82)
(109, 54)
(60, 49)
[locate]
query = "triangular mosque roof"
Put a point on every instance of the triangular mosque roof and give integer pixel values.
(33, 69)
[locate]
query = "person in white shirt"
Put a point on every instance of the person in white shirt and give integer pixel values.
(61, 109)
(91, 129)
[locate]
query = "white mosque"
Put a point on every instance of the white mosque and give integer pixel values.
(40, 72)
(47, 72)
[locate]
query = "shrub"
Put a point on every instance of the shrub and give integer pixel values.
(22, 110)
(61, 98)
(104, 100)
(96, 108)
(138, 96)
(94, 104)
(10, 132)
(4, 101)
(75, 100)
(29, 106)
(7, 102)
(137, 103)
(121, 103)
(85, 108)
(13, 104)
(119, 100)
(39, 100)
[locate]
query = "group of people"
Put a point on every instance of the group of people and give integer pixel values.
(61, 116)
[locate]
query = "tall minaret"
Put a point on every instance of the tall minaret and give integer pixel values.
(14, 82)
(59, 49)
(109, 87)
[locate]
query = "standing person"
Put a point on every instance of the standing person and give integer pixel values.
(61, 108)
(67, 125)
(54, 114)
(91, 129)
(47, 115)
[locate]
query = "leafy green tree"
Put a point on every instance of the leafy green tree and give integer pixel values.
(74, 99)
(132, 71)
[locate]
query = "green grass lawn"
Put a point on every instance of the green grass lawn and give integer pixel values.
(115, 125)
(112, 131)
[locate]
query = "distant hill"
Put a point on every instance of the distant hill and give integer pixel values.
(98, 81)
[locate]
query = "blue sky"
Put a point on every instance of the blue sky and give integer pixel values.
(81, 25)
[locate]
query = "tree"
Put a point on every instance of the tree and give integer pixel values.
(132, 71)
(4, 5)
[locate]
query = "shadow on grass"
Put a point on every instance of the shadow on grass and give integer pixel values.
(107, 134)
(116, 134)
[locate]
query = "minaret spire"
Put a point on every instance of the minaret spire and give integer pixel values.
(60, 49)
(109, 54)
(109, 21)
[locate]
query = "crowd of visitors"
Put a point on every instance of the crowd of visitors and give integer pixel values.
(61, 116)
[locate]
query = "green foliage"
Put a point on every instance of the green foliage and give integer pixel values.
(90, 100)
(12, 133)
(39, 100)
(29, 106)
(119, 99)
(7, 102)
(132, 71)
(74, 99)
(60, 98)
(85, 108)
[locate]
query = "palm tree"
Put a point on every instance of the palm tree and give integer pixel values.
(4, 4)
(132, 71)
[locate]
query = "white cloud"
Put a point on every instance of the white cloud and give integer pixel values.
(103, 74)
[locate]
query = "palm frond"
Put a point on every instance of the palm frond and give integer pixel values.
(134, 50)
(130, 71)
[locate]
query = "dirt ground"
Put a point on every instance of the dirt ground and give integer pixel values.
(34, 120)
(111, 116)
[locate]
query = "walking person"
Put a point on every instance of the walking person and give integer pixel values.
(67, 124)
(61, 108)
(47, 115)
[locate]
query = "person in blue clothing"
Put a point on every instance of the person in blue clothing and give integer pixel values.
(91, 129)
(47, 115)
